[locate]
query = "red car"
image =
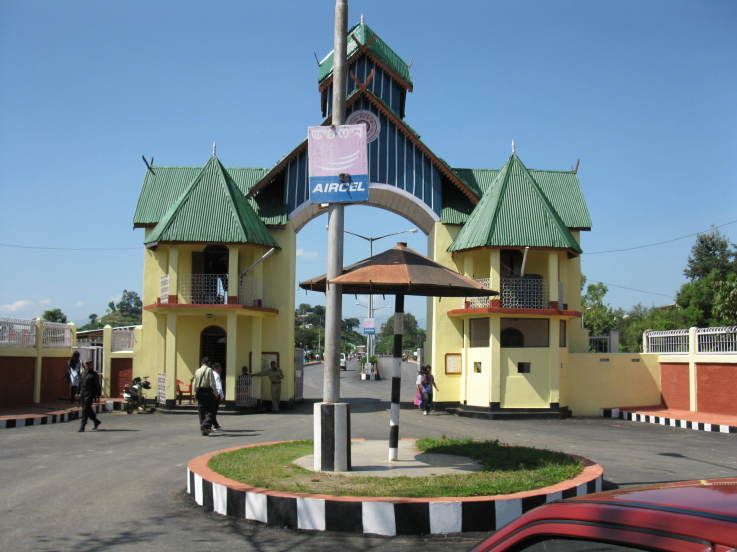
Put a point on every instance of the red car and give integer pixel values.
(682, 516)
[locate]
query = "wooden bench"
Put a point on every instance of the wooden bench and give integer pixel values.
(184, 391)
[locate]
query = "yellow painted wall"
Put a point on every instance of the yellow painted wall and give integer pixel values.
(589, 384)
(279, 284)
(525, 390)
(445, 335)
(478, 384)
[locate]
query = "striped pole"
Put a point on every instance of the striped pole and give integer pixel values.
(396, 377)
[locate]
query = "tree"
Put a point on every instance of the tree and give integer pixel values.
(598, 317)
(130, 304)
(54, 315)
(414, 336)
(710, 252)
(725, 302)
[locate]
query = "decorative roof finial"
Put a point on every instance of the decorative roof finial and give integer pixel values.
(214, 149)
(361, 19)
(514, 150)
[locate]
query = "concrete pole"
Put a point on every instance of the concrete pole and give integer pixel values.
(333, 297)
(332, 436)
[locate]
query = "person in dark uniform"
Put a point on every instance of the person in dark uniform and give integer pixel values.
(89, 390)
(205, 386)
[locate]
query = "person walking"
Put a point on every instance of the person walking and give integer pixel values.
(427, 390)
(73, 375)
(204, 386)
(419, 384)
(274, 374)
(217, 372)
(89, 391)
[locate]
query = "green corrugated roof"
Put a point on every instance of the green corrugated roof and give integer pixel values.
(211, 209)
(561, 188)
(359, 35)
(514, 212)
(162, 187)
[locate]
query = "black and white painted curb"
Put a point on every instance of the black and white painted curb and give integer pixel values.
(377, 516)
(628, 415)
(57, 418)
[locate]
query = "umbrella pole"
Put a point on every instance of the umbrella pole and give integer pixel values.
(396, 377)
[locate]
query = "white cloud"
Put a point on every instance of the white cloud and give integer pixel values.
(45, 302)
(16, 306)
(306, 254)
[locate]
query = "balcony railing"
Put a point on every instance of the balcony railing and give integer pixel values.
(204, 289)
(16, 332)
(210, 289)
(526, 292)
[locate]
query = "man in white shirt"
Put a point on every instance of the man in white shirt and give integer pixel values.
(217, 370)
(205, 389)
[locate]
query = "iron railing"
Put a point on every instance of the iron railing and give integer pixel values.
(15, 332)
(717, 340)
(57, 334)
(524, 292)
(599, 344)
(666, 341)
(204, 289)
(164, 292)
(123, 339)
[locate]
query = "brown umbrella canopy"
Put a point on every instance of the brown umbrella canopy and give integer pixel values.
(401, 271)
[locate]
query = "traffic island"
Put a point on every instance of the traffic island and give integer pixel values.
(440, 486)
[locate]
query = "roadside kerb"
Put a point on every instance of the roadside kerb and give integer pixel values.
(54, 416)
(634, 416)
(387, 516)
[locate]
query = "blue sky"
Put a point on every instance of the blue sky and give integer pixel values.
(642, 92)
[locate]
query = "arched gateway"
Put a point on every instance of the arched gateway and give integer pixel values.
(516, 228)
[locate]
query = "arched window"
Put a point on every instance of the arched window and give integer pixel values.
(512, 337)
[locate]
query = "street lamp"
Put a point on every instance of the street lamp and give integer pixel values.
(371, 240)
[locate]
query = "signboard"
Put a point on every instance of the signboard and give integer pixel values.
(369, 326)
(338, 164)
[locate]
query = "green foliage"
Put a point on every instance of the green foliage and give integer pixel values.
(710, 253)
(126, 312)
(598, 317)
(414, 336)
(725, 301)
(54, 315)
(309, 329)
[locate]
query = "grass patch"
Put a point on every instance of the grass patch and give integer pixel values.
(506, 469)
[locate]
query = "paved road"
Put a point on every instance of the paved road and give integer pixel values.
(122, 488)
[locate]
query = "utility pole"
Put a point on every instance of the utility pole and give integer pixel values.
(332, 450)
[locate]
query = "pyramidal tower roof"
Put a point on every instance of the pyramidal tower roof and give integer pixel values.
(211, 209)
(359, 36)
(514, 213)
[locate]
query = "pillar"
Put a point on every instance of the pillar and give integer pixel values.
(693, 348)
(170, 358)
(233, 275)
(256, 335)
(107, 363)
(495, 353)
(38, 367)
(495, 274)
(554, 362)
(467, 271)
(231, 370)
(553, 279)
(258, 282)
(173, 272)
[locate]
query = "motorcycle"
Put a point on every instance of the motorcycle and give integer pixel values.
(134, 396)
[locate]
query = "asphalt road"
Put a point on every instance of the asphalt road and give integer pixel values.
(122, 487)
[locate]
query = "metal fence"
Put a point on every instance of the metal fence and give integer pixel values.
(245, 391)
(164, 292)
(666, 341)
(18, 333)
(524, 292)
(204, 289)
(717, 340)
(599, 344)
(123, 339)
(56, 334)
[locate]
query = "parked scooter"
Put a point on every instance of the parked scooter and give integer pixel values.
(134, 397)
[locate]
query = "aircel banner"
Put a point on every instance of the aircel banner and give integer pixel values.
(338, 164)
